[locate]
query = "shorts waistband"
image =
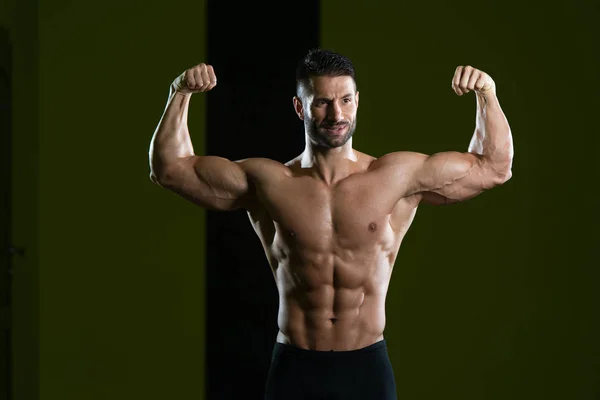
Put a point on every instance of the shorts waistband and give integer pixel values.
(290, 348)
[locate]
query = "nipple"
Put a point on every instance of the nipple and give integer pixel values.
(372, 227)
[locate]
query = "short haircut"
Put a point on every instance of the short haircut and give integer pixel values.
(322, 62)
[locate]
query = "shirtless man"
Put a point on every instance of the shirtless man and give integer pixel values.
(332, 219)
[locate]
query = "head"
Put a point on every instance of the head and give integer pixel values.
(326, 97)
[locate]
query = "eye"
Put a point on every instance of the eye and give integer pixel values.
(346, 100)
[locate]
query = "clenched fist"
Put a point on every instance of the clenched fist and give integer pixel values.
(469, 78)
(200, 78)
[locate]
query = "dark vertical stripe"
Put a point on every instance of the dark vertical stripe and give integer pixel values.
(254, 48)
(5, 214)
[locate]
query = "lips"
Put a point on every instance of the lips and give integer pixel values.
(336, 128)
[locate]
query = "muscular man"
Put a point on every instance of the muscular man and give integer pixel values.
(331, 220)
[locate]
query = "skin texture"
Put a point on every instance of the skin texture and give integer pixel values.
(331, 220)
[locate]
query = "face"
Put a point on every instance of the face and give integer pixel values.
(328, 109)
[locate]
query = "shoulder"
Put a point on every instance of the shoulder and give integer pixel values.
(399, 159)
(259, 167)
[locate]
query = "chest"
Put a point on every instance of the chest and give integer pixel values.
(307, 213)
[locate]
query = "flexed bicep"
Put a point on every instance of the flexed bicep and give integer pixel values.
(451, 177)
(212, 182)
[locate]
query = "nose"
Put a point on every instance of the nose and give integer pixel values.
(335, 112)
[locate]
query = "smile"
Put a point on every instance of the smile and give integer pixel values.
(336, 129)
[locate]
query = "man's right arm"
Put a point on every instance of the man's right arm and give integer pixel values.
(211, 182)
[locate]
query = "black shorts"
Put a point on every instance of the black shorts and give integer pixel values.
(363, 374)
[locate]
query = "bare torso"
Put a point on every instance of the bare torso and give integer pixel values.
(331, 221)
(331, 248)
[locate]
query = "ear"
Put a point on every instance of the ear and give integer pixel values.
(357, 98)
(298, 107)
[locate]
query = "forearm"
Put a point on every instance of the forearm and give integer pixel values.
(171, 140)
(492, 138)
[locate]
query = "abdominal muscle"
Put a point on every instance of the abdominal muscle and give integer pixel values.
(331, 308)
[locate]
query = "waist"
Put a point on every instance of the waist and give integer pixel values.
(324, 329)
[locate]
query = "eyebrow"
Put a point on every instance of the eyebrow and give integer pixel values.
(327, 99)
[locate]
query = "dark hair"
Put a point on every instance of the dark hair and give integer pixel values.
(323, 62)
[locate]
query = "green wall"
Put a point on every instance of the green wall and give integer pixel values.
(494, 298)
(121, 259)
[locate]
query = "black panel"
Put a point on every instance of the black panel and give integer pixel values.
(254, 48)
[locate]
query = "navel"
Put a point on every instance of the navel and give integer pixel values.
(372, 227)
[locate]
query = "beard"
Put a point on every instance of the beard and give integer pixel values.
(322, 138)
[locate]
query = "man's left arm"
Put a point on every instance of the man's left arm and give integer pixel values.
(450, 177)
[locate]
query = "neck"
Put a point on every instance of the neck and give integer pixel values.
(330, 165)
